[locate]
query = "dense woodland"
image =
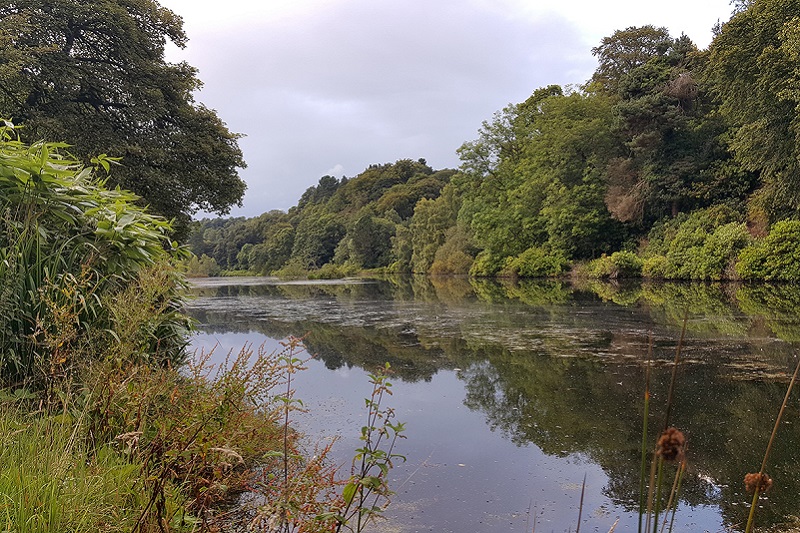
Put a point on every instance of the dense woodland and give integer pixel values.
(669, 162)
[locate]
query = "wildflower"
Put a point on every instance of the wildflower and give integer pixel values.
(670, 444)
(752, 480)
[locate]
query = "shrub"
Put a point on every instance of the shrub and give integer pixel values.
(486, 265)
(655, 267)
(203, 266)
(332, 271)
(454, 256)
(702, 245)
(776, 257)
(67, 245)
(618, 265)
(536, 262)
(720, 251)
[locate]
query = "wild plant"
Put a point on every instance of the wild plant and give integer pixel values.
(199, 434)
(367, 492)
(52, 479)
(761, 482)
(305, 495)
(67, 243)
(670, 448)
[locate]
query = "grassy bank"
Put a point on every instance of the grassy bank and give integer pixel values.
(106, 422)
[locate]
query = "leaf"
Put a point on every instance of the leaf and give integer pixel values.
(349, 492)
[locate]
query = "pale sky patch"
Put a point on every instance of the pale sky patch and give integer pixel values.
(342, 84)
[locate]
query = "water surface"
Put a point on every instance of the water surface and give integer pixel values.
(513, 392)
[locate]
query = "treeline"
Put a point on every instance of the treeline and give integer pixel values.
(670, 162)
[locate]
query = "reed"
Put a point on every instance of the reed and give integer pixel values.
(761, 478)
(669, 448)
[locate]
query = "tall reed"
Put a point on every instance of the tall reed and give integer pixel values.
(761, 478)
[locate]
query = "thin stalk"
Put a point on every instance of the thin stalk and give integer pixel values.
(645, 418)
(675, 371)
(672, 496)
(650, 489)
(657, 502)
(681, 471)
(580, 508)
(769, 448)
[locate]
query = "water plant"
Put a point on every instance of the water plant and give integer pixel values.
(761, 482)
(670, 448)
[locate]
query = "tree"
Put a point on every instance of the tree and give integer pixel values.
(753, 66)
(92, 73)
(316, 238)
(627, 50)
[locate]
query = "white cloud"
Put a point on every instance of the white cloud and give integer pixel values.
(362, 82)
(337, 171)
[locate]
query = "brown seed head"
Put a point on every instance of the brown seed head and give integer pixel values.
(671, 444)
(752, 480)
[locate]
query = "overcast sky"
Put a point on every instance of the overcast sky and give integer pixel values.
(331, 86)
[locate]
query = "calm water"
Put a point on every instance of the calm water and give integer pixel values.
(512, 393)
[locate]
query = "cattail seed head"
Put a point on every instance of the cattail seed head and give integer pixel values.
(762, 481)
(671, 444)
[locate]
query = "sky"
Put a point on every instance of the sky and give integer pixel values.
(328, 87)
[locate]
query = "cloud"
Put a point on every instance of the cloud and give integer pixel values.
(337, 171)
(355, 82)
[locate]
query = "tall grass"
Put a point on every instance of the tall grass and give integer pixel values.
(52, 480)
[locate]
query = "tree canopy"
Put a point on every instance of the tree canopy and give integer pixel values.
(669, 162)
(93, 74)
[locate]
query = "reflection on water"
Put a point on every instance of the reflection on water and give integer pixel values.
(513, 391)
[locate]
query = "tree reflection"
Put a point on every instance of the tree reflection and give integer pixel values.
(561, 366)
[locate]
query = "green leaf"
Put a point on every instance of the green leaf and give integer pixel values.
(349, 492)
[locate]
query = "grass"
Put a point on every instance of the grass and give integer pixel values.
(53, 480)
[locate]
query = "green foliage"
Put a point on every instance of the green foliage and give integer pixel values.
(487, 264)
(666, 144)
(753, 70)
(199, 267)
(536, 262)
(370, 241)
(455, 255)
(367, 491)
(626, 50)
(775, 257)
(429, 226)
(655, 267)
(316, 238)
(703, 245)
(53, 481)
(622, 264)
(93, 74)
(67, 246)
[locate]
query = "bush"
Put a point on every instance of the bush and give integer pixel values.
(618, 265)
(201, 267)
(536, 262)
(332, 271)
(703, 245)
(454, 256)
(655, 267)
(67, 245)
(776, 257)
(486, 265)
(720, 251)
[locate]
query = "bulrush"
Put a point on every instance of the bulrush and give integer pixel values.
(760, 480)
(671, 444)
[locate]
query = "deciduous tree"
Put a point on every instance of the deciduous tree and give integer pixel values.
(92, 73)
